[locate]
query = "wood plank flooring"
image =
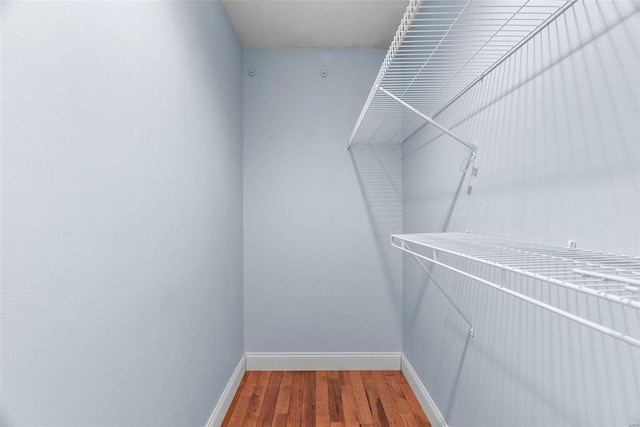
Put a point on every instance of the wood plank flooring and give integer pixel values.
(325, 399)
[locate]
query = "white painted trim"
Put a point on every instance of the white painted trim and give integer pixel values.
(427, 403)
(323, 361)
(219, 412)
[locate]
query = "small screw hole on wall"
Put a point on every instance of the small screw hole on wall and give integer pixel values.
(323, 73)
(252, 72)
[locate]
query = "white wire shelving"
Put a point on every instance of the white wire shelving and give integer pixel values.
(611, 277)
(441, 49)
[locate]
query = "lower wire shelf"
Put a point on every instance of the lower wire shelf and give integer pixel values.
(611, 277)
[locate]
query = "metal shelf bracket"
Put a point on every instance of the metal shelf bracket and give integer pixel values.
(471, 146)
(435, 282)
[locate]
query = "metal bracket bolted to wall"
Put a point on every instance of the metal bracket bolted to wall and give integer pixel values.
(406, 248)
(469, 162)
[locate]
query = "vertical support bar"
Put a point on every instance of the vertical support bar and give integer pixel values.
(503, 278)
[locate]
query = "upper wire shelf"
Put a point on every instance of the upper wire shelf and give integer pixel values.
(612, 277)
(442, 48)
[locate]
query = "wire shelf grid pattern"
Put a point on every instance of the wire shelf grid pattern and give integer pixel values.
(441, 48)
(609, 276)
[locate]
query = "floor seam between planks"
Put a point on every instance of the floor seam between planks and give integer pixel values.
(325, 399)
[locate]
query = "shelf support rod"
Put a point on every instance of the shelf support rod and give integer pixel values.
(581, 320)
(471, 146)
(435, 282)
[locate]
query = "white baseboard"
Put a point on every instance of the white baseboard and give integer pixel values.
(219, 412)
(323, 361)
(427, 403)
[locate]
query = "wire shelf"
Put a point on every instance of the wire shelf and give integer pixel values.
(612, 277)
(442, 48)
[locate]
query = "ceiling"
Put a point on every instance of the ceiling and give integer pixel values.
(321, 24)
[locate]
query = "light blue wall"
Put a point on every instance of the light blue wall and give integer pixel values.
(320, 274)
(559, 159)
(121, 212)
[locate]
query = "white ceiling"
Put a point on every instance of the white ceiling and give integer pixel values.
(324, 24)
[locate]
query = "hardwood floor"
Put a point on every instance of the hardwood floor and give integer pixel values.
(325, 398)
